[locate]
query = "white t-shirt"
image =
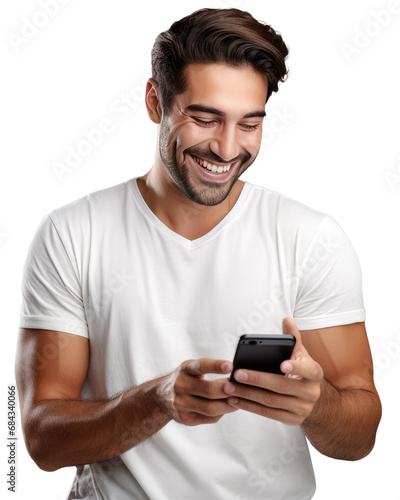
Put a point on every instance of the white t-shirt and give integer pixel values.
(106, 268)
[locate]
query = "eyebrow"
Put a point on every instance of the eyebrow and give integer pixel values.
(214, 111)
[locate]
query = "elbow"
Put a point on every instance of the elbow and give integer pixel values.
(39, 448)
(46, 467)
(369, 444)
(361, 453)
(40, 454)
(39, 458)
(366, 441)
(349, 454)
(363, 446)
(44, 464)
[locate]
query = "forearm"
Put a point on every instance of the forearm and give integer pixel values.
(62, 433)
(344, 422)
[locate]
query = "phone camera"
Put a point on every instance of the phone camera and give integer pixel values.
(252, 342)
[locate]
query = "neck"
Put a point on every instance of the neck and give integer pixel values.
(182, 215)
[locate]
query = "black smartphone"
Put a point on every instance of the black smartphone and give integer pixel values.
(263, 353)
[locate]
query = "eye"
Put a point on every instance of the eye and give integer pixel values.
(215, 122)
(203, 122)
(250, 127)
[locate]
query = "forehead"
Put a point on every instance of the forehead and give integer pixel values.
(229, 88)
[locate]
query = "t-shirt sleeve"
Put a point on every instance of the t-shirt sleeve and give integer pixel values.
(329, 291)
(51, 290)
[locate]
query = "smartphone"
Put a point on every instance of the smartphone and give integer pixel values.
(263, 353)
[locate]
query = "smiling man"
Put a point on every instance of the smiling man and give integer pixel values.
(204, 145)
(134, 298)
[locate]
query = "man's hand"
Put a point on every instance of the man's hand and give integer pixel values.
(289, 399)
(189, 398)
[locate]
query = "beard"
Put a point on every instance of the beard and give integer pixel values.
(205, 192)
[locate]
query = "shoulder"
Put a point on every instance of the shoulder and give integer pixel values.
(296, 230)
(285, 214)
(99, 206)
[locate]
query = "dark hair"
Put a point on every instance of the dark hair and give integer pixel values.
(229, 36)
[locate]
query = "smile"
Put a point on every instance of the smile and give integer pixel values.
(211, 167)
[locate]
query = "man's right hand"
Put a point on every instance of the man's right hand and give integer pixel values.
(189, 398)
(62, 430)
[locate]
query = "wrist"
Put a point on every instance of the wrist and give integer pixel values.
(164, 394)
(144, 412)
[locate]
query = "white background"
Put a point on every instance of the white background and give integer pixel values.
(334, 150)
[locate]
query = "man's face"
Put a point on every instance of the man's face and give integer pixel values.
(218, 119)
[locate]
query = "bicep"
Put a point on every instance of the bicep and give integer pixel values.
(50, 365)
(343, 353)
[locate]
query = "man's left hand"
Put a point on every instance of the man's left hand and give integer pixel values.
(289, 398)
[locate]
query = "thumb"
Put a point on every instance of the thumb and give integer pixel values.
(299, 351)
(289, 327)
(300, 365)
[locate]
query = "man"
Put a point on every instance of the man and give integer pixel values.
(135, 296)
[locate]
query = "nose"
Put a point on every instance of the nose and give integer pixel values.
(225, 143)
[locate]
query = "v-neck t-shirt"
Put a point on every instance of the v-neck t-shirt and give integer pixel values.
(106, 268)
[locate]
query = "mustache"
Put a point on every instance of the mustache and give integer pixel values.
(212, 157)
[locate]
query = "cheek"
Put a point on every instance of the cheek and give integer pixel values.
(253, 142)
(177, 133)
(187, 134)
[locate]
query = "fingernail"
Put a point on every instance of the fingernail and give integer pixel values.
(241, 376)
(232, 401)
(286, 367)
(230, 388)
(226, 366)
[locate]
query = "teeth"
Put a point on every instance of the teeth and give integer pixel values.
(211, 167)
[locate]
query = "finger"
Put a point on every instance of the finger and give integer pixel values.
(289, 328)
(192, 419)
(305, 368)
(280, 384)
(196, 386)
(187, 403)
(264, 397)
(284, 416)
(299, 351)
(196, 367)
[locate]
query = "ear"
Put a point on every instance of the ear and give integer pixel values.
(153, 101)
